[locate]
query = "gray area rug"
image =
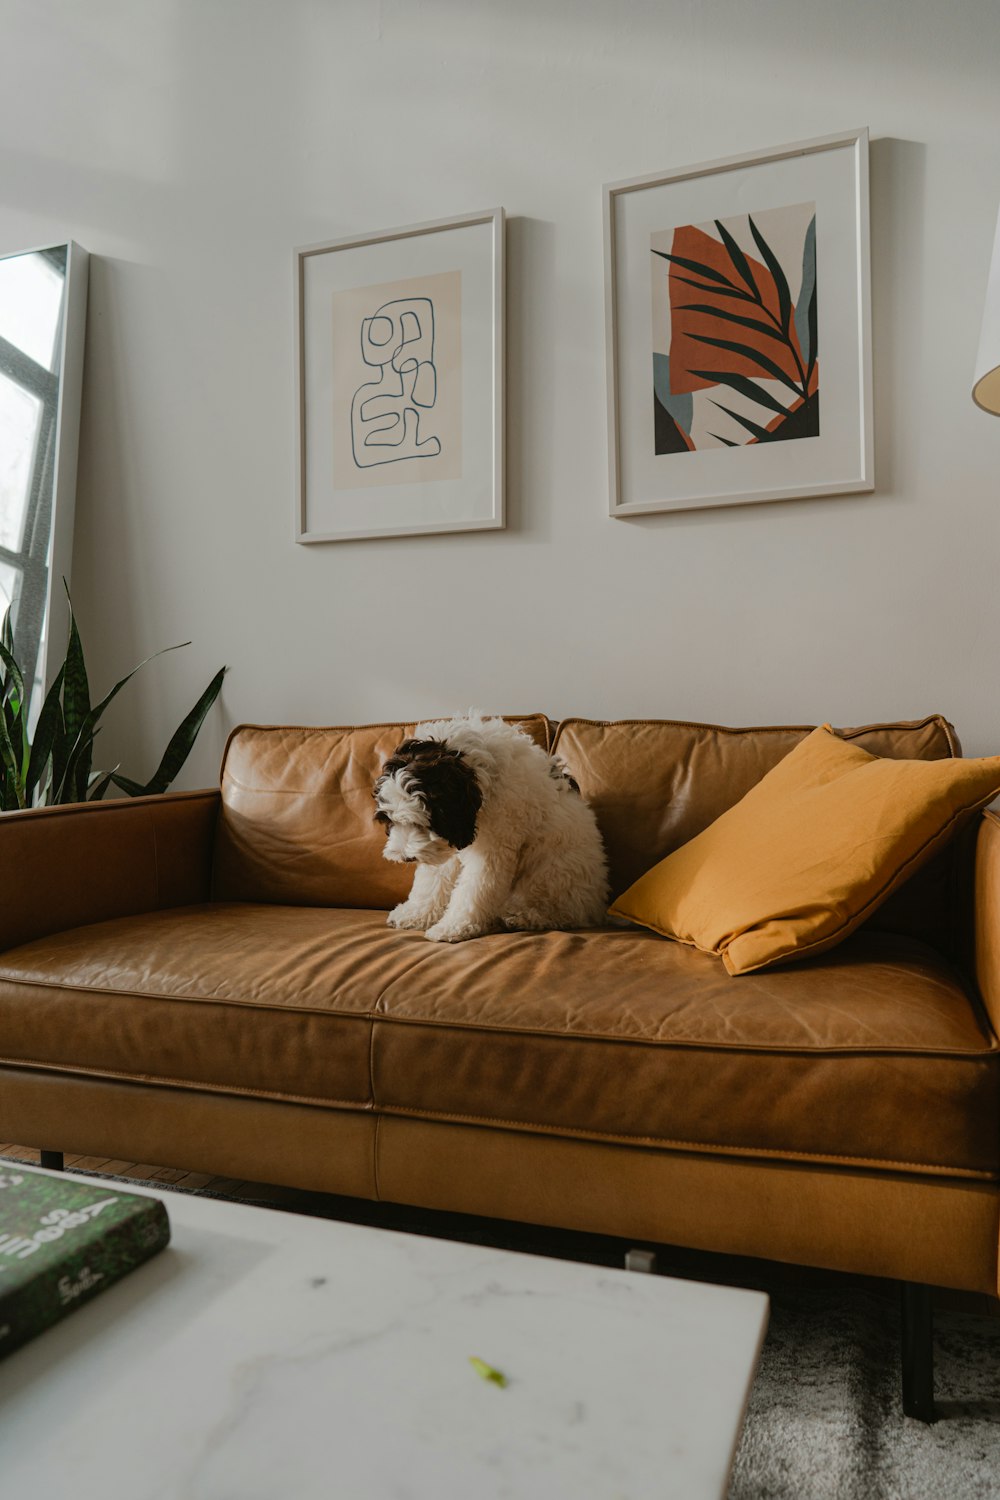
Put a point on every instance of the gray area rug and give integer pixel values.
(825, 1420)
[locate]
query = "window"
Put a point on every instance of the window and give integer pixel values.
(31, 318)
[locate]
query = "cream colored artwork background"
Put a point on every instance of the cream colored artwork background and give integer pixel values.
(397, 382)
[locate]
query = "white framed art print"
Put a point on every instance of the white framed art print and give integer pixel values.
(739, 329)
(400, 378)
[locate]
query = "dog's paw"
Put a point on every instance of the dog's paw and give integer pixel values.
(406, 916)
(452, 932)
(525, 919)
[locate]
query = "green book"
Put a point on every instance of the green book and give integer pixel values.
(62, 1241)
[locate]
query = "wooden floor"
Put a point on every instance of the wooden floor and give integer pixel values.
(144, 1172)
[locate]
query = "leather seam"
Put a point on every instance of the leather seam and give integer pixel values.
(524, 1127)
(908, 724)
(116, 805)
(348, 729)
(750, 1049)
(375, 1016)
(704, 1147)
(375, 1157)
(331, 793)
(194, 1085)
(387, 724)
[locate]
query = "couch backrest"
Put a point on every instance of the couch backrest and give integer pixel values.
(654, 784)
(296, 824)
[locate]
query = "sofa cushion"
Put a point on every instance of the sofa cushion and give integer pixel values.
(872, 1054)
(655, 784)
(810, 851)
(296, 823)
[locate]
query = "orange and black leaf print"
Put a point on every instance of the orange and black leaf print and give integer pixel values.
(735, 358)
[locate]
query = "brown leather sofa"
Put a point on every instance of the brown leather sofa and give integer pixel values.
(206, 980)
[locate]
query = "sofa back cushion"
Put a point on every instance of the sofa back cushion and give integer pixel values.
(296, 824)
(654, 784)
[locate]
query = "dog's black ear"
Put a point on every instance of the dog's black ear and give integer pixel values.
(447, 786)
(451, 792)
(444, 782)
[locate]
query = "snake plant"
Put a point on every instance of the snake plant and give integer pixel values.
(56, 764)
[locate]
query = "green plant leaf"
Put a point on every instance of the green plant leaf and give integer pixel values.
(774, 266)
(11, 709)
(125, 784)
(708, 273)
(48, 731)
(60, 762)
(14, 711)
(753, 355)
(99, 785)
(767, 329)
(14, 730)
(72, 786)
(738, 259)
(14, 750)
(13, 791)
(99, 708)
(183, 737)
(66, 785)
(7, 631)
(83, 766)
(745, 386)
(13, 682)
(42, 795)
(76, 688)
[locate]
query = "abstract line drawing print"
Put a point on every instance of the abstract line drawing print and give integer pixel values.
(390, 416)
(735, 346)
(396, 389)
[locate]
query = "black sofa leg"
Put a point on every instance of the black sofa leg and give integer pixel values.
(917, 1338)
(53, 1160)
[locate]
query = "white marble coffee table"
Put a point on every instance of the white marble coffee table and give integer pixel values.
(269, 1356)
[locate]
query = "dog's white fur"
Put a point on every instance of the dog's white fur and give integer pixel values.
(536, 861)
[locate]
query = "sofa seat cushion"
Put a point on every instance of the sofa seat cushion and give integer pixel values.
(872, 1054)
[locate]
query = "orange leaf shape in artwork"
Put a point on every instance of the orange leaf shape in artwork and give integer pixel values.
(688, 355)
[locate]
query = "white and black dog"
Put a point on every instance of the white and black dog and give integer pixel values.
(497, 828)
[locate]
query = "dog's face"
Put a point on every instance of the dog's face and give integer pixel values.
(428, 799)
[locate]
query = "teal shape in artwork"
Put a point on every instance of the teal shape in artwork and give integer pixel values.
(807, 293)
(681, 408)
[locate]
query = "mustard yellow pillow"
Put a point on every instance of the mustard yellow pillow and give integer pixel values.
(808, 853)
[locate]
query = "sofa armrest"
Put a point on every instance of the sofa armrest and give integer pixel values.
(87, 862)
(987, 913)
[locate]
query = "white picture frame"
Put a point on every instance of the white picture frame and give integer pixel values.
(660, 344)
(412, 442)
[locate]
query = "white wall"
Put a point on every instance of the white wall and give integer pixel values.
(190, 144)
